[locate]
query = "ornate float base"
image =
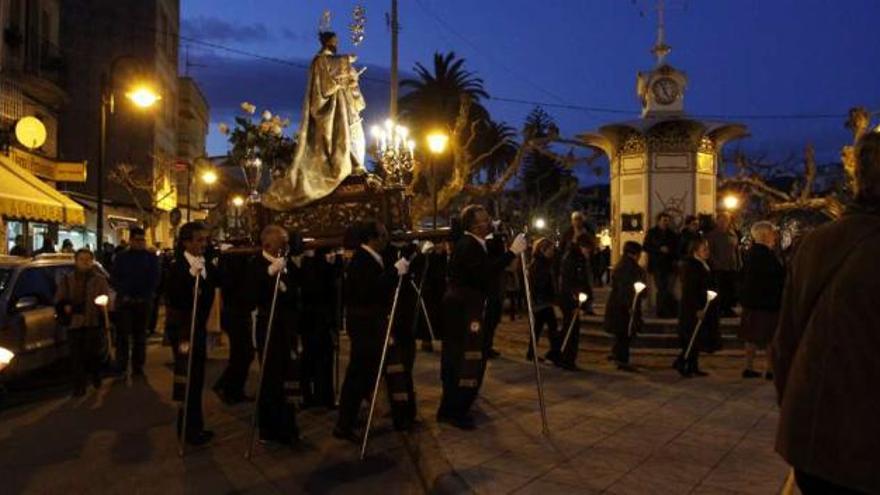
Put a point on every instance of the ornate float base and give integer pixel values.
(357, 199)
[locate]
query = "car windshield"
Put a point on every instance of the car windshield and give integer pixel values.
(5, 275)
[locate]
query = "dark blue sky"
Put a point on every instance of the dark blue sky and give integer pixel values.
(743, 57)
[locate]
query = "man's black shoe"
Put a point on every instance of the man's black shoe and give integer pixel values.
(751, 374)
(569, 367)
(700, 373)
(493, 354)
(346, 434)
(461, 422)
(200, 438)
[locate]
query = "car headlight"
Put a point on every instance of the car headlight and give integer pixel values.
(5, 357)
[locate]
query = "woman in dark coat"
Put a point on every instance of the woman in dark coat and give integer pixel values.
(620, 303)
(543, 285)
(763, 279)
(574, 279)
(696, 280)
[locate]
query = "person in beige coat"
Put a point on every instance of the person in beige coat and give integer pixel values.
(84, 319)
(826, 351)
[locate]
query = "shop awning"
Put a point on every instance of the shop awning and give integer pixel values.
(24, 196)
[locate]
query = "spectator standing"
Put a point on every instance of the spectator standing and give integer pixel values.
(763, 279)
(574, 280)
(67, 247)
(47, 248)
(19, 249)
(826, 346)
(620, 310)
(724, 253)
(661, 243)
(543, 285)
(690, 232)
(84, 320)
(135, 278)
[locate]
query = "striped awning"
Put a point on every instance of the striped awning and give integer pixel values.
(24, 196)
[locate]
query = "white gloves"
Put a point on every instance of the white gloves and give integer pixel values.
(427, 247)
(277, 266)
(197, 267)
(402, 267)
(519, 244)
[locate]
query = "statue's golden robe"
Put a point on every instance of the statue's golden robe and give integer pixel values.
(331, 142)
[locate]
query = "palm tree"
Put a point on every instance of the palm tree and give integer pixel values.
(490, 135)
(433, 98)
(543, 176)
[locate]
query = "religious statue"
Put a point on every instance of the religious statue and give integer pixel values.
(331, 143)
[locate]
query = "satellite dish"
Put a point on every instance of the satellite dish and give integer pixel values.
(30, 132)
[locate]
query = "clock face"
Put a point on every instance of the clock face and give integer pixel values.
(665, 90)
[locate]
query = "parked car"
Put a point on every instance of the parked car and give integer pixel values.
(29, 330)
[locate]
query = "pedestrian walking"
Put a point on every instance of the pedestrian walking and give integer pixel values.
(187, 313)
(135, 278)
(472, 275)
(623, 311)
(84, 319)
(695, 312)
(544, 292)
(825, 351)
(763, 278)
(661, 244)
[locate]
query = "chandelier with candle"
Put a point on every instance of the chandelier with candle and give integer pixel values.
(394, 151)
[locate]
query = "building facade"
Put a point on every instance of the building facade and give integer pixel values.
(33, 73)
(116, 45)
(193, 120)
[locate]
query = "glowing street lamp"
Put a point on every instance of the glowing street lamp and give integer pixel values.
(730, 202)
(143, 96)
(437, 141)
(209, 177)
(237, 201)
(540, 223)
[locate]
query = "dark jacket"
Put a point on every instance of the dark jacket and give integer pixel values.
(825, 354)
(261, 288)
(696, 280)
(136, 274)
(655, 240)
(685, 239)
(763, 278)
(620, 302)
(180, 291)
(543, 280)
(234, 273)
(369, 287)
(86, 314)
(574, 278)
(471, 267)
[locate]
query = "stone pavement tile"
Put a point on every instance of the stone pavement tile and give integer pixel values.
(595, 468)
(489, 481)
(529, 459)
(690, 450)
(713, 490)
(543, 487)
(640, 438)
(462, 455)
(660, 476)
(750, 467)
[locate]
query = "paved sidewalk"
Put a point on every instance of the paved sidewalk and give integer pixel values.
(611, 432)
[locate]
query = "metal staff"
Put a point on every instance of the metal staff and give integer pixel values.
(192, 338)
(710, 296)
(381, 366)
(256, 415)
(420, 303)
(582, 298)
(525, 273)
(639, 287)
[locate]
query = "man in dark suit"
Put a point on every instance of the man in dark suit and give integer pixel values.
(471, 274)
(188, 264)
(369, 288)
(269, 270)
(321, 273)
(236, 321)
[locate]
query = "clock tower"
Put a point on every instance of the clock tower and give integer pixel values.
(665, 161)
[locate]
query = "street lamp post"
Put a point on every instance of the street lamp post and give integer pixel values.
(142, 97)
(436, 144)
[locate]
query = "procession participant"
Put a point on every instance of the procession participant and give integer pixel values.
(79, 313)
(623, 319)
(279, 357)
(369, 289)
(189, 263)
(543, 284)
(135, 278)
(661, 244)
(495, 245)
(401, 356)
(574, 279)
(429, 272)
(320, 276)
(236, 321)
(471, 271)
(696, 280)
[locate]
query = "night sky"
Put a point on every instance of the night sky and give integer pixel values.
(744, 58)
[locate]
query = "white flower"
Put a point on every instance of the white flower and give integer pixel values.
(223, 128)
(276, 129)
(249, 108)
(267, 115)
